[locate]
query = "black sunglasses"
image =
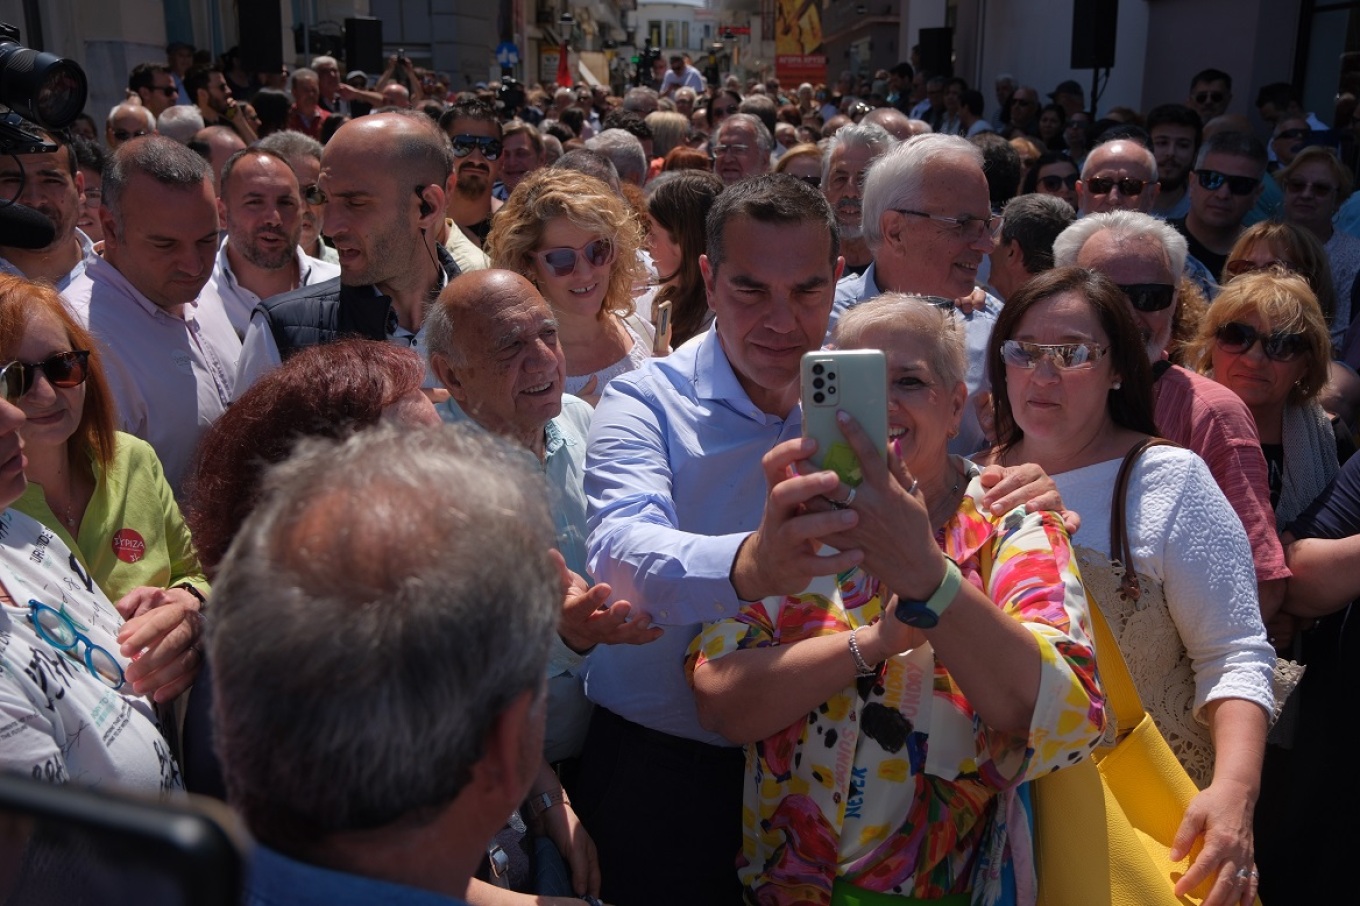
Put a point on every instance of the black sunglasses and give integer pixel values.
(1054, 183)
(1128, 186)
(123, 135)
(1294, 134)
(65, 370)
(1208, 97)
(463, 145)
(1212, 180)
(1278, 347)
(1149, 296)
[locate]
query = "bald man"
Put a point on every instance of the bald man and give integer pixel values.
(493, 345)
(1118, 175)
(382, 187)
(894, 121)
(126, 122)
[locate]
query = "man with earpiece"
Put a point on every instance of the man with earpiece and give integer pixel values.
(382, 184)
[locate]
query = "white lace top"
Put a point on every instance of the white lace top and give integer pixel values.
(1185, 535)
(639, 352)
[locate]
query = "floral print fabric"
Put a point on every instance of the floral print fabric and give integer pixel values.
(894, 784)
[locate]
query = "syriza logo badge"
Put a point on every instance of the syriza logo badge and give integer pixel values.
(128, 545)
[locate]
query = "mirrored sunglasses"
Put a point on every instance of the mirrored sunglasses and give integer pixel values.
(562, 261)
(463, 145)
(1212, 180)
(1065, 356)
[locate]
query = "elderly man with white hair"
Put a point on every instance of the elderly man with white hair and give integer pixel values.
(625, 150)
(180, 122)
(1146, 258)
(928, 223)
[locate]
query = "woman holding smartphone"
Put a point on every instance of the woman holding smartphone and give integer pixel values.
(891, 712)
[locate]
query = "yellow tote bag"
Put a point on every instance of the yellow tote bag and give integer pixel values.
(1103, 828)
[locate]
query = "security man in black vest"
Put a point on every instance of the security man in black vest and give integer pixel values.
(382, 182)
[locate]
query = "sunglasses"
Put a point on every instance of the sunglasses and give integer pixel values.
(463, 145)
(1212, 180)
(1128, 186)
(1304, 187)
(1278, 347)
(1054, 183)
(1149, 296)
(64, 370)
(1239, 266)
(597, 252)
(123, 135)
(1294, 134)
(1209, 97)
(1064, 356)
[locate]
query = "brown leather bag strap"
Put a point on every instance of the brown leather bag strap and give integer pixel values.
(1119, 532)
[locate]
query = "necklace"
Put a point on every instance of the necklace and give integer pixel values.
(949, 504)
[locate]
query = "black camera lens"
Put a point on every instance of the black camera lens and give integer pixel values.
(819, 397)
(831, 375)
(817, 369)
(818, 383)
(41, 86)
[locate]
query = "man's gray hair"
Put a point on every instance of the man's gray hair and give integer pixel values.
(163, 159)
(180, 122)
(291, 144)
(1125, 226)
(763, 137)
(625, 150)
(147, 114)
(303, 74)
(325, 60)
(1035, 221)
(897, 178)
(868, 136)
(943, 335)
(367, 633)
(1235, 144)
(641, 100)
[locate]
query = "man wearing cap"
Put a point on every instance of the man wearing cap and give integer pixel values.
(1069, 97)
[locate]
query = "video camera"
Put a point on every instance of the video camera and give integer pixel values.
(35, 87)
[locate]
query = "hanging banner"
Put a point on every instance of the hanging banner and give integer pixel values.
(798, 55)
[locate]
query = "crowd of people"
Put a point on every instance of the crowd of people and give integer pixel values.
(424, 474)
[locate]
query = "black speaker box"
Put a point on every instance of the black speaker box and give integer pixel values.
(364, 45)
(261, 28)
(937, 51)
(1094, 23)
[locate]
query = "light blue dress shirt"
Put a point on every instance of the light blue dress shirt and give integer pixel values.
(674, 484)
(977, 326)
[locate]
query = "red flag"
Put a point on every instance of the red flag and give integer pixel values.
(564, 79)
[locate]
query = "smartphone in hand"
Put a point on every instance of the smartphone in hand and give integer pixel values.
(850, 380)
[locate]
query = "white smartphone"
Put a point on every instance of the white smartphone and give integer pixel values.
(852, 380)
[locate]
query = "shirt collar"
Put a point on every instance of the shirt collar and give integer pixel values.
(714, 378)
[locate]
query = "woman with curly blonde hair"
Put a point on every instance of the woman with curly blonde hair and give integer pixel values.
(578, 242)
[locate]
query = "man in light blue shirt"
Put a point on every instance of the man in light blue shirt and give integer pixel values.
(493, 345)
(678, 526)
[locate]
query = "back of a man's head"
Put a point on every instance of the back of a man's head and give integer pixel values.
(1001, 165)
(625, 151)
(1033, 222)
(591, 163)
(370, 634)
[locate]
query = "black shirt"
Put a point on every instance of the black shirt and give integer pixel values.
(1211, 260)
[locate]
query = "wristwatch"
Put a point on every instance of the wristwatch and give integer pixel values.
(925, 614)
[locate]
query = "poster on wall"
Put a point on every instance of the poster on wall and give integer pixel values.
(798, 55)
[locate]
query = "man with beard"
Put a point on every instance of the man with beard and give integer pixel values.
(212, 95)
(475, 132)
(303, 154)
(52, 185)
(382, 185)
(1175, 132)
(261, 209)
(844, 164)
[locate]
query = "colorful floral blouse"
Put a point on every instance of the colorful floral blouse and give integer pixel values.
(895, 785)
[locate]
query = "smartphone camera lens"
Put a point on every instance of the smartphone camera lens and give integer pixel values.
(819, 397)
(831, 375)
(831, 391)
(817, 369)
(818, 383)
